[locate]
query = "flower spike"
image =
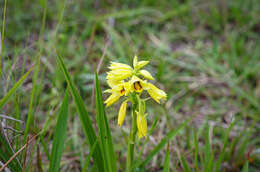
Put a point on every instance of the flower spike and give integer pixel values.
(125, 80)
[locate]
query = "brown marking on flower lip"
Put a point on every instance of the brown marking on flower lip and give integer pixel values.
(137, 85)
(122, 91)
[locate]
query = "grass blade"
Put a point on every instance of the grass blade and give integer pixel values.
(59, 136)
(6, 153)
(32, 100)
(2, 39)
(84, 118)
(245, 167)
(171, 135)
(104, 131)
(85, 167)
(195, 144)
(185, 164)
(221, 156)
(15, 87)
(207, 148)
(166, 166)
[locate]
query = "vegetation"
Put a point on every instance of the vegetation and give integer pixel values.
(54, 57)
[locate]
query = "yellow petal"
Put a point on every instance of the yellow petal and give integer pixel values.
(108, 91)
(118, 75)
(156, 93)
(112, 99)
(146, 74)
(112, 83)
(135, 61)
(141, 64)
(122, 113)
(127, 88)
(114, 66)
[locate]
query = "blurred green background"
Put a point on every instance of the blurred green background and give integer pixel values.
(205, 54)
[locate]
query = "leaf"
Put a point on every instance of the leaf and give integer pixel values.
(59, 136)
(84, 118)
(221, 156)
(85, 167)
(32, 99)
(245, 167)
(185, 164)
(207, 148)
(6, 153)
(15, 87)
(166, 166)
(195, 143)
(104, 131)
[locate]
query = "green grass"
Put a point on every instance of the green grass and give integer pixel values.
(59, 136)
(204, 54)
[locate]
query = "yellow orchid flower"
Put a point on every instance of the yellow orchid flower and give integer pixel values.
(146, 74)
(112, 99)
(125, 80)
(116, 92)
(156, 93)
(122, 113)
(136, 84)
(139, 64)
(141, 125)
(118, 75)
(120, 71)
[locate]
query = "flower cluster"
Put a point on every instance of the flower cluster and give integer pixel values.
(124, 80)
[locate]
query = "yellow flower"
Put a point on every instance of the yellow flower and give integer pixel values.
(156, 93)
(139, 64)
(120, 71)
(136, 84)
(116, 92)
(121, 66)
(146, 74)
(141, 125)
(118, 75)
(122, 113)
(112, 99)
(113, 83)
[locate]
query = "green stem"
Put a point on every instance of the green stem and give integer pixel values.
(132, 136)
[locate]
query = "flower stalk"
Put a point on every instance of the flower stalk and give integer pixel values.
(132, 135)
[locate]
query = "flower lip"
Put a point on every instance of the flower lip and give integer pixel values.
(138, 86)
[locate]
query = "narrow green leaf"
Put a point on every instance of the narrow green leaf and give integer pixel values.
(45, 147)
(245, 167)
(207, 148)
(32, 100)
(85, 167)
(84, 118)
(171, 135)
(210, 162)
(59, 136)
(166, 166)
(221, 156)
(6, 153)
(195, 143)
(104, 131)
(185, 164)
(2, 40)
(15, 87)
